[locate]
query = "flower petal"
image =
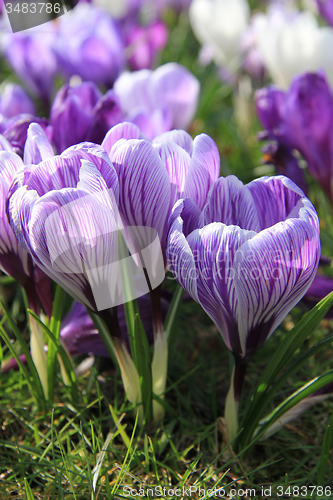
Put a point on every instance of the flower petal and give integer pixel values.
(204, 169)
(180, 137)
(125, 130)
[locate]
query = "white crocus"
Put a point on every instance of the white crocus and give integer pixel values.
(292, 43)
(219, 26)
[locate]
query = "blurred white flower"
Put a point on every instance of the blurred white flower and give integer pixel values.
(291, 42)
(219, 26)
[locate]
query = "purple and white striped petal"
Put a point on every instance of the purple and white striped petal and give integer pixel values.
(37, 147)
(180, 137)
(125, 130)
(231, 202)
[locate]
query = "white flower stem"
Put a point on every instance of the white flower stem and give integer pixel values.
(38, 353)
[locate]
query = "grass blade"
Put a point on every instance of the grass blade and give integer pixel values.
(143, 357)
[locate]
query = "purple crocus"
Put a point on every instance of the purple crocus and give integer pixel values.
(325, 8)
(80, 113)
(14, 259)
(302, 119)
(89, 44)
(248, 257)
(160, 100)
(16, 129)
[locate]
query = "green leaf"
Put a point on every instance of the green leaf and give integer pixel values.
(291, 342)
(55, 325)
(105, 335)
(325, 451)
(305, 391)
(28, 492)
(143, 357)
(36, 387)
(63, 355)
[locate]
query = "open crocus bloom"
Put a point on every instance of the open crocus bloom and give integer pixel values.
(248, 257)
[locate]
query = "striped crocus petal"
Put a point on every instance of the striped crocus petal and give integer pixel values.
(62, 171)
(177, 162)
(180, 137)
(144, 185)
(125, 131)
(204, 169)
(274, 271)
(37, 147)
(282, 199)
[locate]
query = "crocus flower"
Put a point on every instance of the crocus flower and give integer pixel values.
(325, 8)
(160, 100)
(81, 113)
(14, 101)
(219, 26)
(292, 43)
(88, 44)
(31, 57)
(144, 43)
(248, 257)
(302, 119)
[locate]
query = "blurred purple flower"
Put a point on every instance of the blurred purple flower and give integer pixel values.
(325, 8)
(302, 119)
(89, 44)
(160, 100)
(14, 259)
(248, 257)
(31, 57)
(81, 113)
(144, 43)
(154, 175)
(15, 101)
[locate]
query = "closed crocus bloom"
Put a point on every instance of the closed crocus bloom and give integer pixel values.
(14, 101)
(292, 43)
(325, 8)
(302, 119)
(160, 100)
(248, 257)
(89, 45)
(219, 25)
